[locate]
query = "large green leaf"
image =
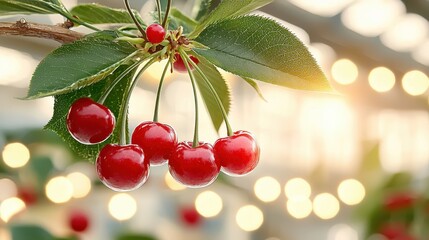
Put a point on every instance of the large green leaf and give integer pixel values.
(97, 14)
(259, 48)
(33, 232)
(9, 7)
(228, 9)
(221, 88)
(115, 102)
(79, 64)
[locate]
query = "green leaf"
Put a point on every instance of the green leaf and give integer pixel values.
(42, 166)
(9, 7)
(33, 232)
(115, 102)
(97, 14)
(180, 19)
(259, 48)
(202, 8)
(222, 89)
(136, 237)
(228, 9)
(79, 64)
(255, 86)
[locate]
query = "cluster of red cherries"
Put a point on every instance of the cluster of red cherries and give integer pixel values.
(126, 167)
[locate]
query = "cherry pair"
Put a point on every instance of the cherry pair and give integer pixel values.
(127, 167)
(199, 166)
(123, 167)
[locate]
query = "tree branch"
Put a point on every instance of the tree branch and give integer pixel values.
(58, 33)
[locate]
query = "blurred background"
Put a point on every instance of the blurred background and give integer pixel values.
(328, 161)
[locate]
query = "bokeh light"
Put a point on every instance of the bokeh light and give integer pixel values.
(351, 191)
(8, 188)
(408, 32)
(325, 8)
(10, 207)
(249, 218)
(122, 206)
(267, 189)
(299, 207)
(326, 206)
(344, 71)
(371, 18)
(381, 79)
(297, 188)
(208, 204)
(415, 82)
(420, 53)
(59, 189)
(16, 155)
(81, 184)
(15, 67)
(172, 183)
(342, 232)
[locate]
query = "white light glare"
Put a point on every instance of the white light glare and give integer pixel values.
(372, 17)
(325, 8)
(408, 33)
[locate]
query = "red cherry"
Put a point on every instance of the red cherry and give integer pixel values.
(179, 65)
(90, 122)
(155, 33)
(28, 195)
(400, 200)
(194, 167)
(238, 154)
(190, 216)
(122, 168)
(157, 140)
(78, 221)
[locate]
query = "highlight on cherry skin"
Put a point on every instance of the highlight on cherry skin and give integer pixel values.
(155, 33)
(157, 140)
(194, 167)
(90, 122)
(179, 65)
(122, 167)
(238, 154)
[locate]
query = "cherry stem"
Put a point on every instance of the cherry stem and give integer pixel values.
(116, 81)
(123, 138)
(142, 31)
(158, 6)
(158, 93)
(183, 55)
(72, 18)
(167, 13)
(214, 93)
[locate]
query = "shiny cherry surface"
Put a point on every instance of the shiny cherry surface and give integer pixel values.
(155, 33)
(90, 122)
(157, 140)
(122, 168)
(238, 154)
(194, 167)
